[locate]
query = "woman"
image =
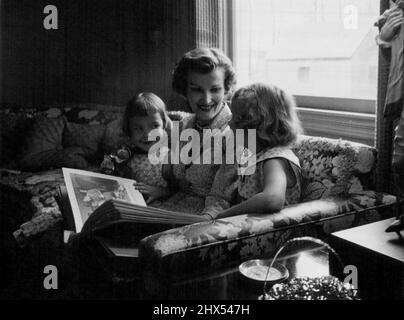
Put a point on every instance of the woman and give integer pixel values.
(205, 78)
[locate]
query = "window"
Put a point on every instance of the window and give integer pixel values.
(332, 40)
(304, 74)
(322, 51)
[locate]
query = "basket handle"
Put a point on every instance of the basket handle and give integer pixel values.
(302, 239)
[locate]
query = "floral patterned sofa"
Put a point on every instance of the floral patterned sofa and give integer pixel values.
(338, 194)
(36, 142)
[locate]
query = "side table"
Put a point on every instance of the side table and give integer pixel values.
(378, 257)
(228, 284)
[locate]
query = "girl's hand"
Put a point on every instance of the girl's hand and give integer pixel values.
(207, 216)
(107, 165)
(152, 192)
(394, 20)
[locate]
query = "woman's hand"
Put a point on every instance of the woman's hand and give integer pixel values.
(394, 20)
(152, 192)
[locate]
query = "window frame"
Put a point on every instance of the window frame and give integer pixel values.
(366, 106)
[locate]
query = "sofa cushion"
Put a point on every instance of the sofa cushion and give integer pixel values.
(334, 167)
(16, 120)
(43, 143)
(54, 143)
(72, 157)
(92, 113)
(114, 136)
(87, 137)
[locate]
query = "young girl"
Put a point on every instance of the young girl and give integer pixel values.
(144, 113)
(276, 180)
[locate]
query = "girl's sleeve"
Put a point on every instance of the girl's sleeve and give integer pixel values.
(223, 191)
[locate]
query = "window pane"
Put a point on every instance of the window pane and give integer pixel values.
(309, 47)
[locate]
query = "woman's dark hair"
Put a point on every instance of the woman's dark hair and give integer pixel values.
(203, 60)
(143, 105)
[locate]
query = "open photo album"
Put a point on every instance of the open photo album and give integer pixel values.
(94, 201)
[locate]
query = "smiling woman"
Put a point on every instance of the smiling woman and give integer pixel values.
(204, 77)
(205, 94)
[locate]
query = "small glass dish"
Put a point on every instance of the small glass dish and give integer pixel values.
(255, 273)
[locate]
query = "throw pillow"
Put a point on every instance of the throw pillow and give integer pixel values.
(114, 136)
(85, 136)
(42, 144)
(73, 157)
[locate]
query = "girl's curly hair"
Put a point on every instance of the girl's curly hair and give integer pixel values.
(271, 111)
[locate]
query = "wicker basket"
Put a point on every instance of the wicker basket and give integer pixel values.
(306, 288)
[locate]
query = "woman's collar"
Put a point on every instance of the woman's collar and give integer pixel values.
(220, 121)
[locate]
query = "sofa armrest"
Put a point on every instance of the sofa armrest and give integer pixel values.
(202, 234)
(181, 252)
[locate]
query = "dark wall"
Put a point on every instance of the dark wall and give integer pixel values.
(103, 52)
